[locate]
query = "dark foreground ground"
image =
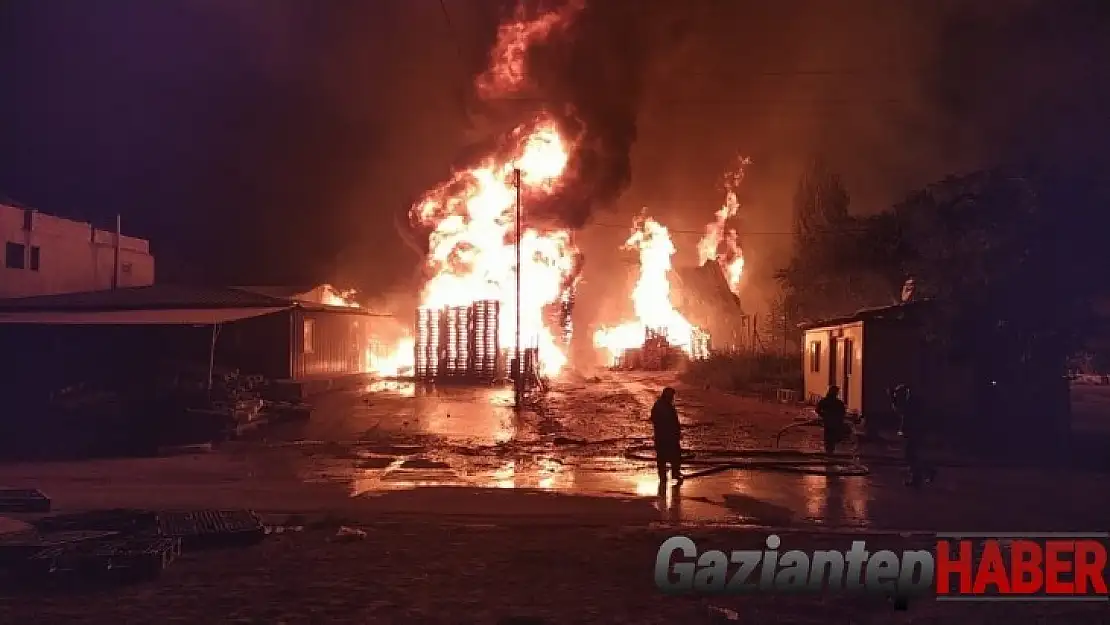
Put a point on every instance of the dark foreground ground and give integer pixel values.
(453, 574)
(473, 514)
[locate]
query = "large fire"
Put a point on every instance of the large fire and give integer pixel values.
(651, 297)
(472, 216)
(472, 254)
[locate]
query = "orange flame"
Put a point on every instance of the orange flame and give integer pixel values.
(471, 249)
(472, 216)
(721, 243)
(394, 363)
(651, 297)
(330, 296)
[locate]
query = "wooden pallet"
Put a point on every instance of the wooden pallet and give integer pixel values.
(124, 521)
(212, 528)
(129, 559)
(18, 548)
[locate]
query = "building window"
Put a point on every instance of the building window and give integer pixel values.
(14, 254)
(125, 268)
(35, 258)
(849, 356)
(308, 335)
(28, 219)
(815, 356)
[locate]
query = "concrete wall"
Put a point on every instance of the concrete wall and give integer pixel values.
(72, 256)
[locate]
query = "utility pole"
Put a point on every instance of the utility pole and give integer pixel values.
(116, 260)
(518, 382)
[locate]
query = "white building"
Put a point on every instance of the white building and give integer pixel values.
(46, 255)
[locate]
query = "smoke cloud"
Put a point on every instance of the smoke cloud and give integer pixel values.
(585, 66)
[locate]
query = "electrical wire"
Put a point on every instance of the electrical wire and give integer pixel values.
(743, 233)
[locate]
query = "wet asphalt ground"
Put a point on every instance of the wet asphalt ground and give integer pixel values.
(395, 448)
(468, 508)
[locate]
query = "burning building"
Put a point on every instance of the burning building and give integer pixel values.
(660, 333)
(676, 321)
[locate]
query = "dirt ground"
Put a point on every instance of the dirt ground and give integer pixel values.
(458, 574)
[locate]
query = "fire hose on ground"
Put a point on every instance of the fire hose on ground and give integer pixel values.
(719, 460)
(780, 460)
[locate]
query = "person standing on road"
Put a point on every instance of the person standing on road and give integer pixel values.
(834, 415)
(913, 435)
(666, 433)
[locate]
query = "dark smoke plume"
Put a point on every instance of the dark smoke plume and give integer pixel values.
(588, 75)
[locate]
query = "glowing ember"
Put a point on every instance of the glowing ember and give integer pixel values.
(651, 297)
(721, 243)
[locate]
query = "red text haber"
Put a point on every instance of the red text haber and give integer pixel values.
(1066, 567)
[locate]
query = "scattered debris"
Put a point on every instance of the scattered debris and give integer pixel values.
(349, 534)
(722, 615)
(281, 529)
(129, 559)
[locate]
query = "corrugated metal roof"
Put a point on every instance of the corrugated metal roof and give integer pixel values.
(892, 311)
(167, 316)
(146, 297)
(280, 291)
(166, 297)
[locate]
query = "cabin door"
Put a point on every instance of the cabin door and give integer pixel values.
(844, 350)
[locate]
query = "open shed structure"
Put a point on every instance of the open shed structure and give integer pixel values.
(128, 333)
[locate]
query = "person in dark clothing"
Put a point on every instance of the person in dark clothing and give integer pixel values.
(913, 432)
(834, 417)
(666, 435)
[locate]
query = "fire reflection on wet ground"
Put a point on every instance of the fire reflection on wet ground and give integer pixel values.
(405, 437)
(399, 436)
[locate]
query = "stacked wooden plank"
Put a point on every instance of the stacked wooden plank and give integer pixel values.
(486, 342)
(459, 342)
(455, 357)
(428, 335)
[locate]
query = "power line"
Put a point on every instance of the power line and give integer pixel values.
(739, 99)
(876, 71)
(741, 232)
(451, 28)
(458, 51)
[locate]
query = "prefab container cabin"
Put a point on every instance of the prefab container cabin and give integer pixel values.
(870, 352)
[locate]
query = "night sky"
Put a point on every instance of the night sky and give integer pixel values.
(278, 141)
